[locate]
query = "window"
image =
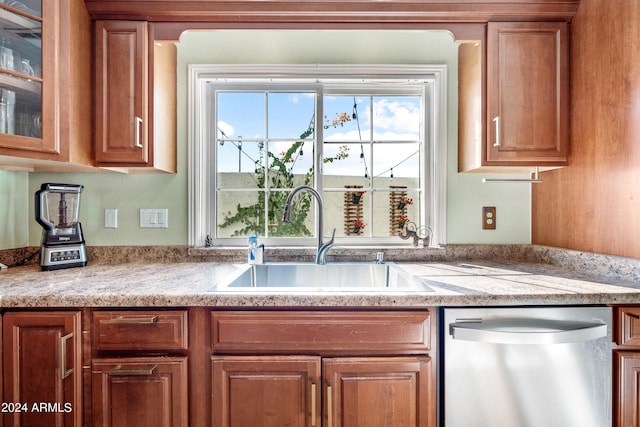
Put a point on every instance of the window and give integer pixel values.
(370, 139)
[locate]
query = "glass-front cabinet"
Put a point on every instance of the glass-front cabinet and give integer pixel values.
(45, 83)
(21, 40)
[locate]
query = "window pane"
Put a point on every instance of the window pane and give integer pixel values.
(239, 213)
(290, 163)
(396, 162)
(291, 115)
(339, 121)
(240, 114)
(347, 161)
(239, 164)
(396, 118)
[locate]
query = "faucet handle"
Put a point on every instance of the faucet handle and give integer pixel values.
(333, 237)
(380, 258)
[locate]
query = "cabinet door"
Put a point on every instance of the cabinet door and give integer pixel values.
(140, 392)
(378, 392)
(527, 93)
(43, 368)
(626, 395)
(122, 70)
(265, 391)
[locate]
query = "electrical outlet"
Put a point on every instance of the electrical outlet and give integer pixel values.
(489, 218)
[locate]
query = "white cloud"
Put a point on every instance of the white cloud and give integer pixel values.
(398, 116)
(226, 128)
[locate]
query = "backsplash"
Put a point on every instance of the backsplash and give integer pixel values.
(605, 266)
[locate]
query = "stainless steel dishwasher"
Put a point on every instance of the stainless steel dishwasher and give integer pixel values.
(527, 367)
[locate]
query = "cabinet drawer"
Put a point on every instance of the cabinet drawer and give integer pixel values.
(627, 328)
(321, 331)
(140, 330)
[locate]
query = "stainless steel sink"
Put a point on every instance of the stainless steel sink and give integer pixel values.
(333, 277)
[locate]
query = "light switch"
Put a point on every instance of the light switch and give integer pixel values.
(154, 218)
(111, 218)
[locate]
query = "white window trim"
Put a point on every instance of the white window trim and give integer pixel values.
(199, 157)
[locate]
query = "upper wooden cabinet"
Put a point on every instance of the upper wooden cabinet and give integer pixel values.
(527, 93)
(135, 97)
(45, 83)
(527, 97)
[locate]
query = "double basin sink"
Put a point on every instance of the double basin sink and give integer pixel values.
(332, 277)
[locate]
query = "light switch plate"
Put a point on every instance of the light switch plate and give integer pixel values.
(154, 218)
(111, 218)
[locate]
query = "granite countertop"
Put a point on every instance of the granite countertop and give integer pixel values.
(454, 283)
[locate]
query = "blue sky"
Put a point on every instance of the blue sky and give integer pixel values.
(395, 118)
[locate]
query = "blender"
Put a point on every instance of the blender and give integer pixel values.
(57, 207)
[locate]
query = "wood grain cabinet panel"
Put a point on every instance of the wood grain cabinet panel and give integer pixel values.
(527, 93)
(627, 391)
(140, 392)
(329, 331)
(122, 72)
(42, 363)
(627, 331)
(135, 113)
(265, 391)
(140, 330)
(310, 368)
(378, 392)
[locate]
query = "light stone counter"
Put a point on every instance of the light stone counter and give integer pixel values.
(454, 283)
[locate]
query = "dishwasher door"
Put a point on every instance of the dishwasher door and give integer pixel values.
(527, 367)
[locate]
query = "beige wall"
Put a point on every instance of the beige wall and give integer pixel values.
(14, 209)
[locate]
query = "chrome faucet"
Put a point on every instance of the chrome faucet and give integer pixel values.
(323, 248)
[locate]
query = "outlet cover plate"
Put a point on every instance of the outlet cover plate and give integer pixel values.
(488, 217)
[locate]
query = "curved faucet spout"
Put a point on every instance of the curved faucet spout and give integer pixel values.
(322, 248)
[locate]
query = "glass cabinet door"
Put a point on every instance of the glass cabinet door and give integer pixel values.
(21, 84)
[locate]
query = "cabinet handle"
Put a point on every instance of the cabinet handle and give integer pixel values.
(138, 131)
(313, 404)
(496, 120)
(329, 406)
(133, 320)
(118, 370)
(64, 372)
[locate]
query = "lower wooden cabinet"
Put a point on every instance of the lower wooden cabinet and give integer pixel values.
(42, 366)
(140, 368)
(140, 392)
(377, 391)
(265, 391)
(201, 367)
(627, 364)
(626, 360)
(274, 391)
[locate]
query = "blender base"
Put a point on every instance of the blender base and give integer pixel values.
(63, 256)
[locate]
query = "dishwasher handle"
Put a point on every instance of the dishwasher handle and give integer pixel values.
(526, 331)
